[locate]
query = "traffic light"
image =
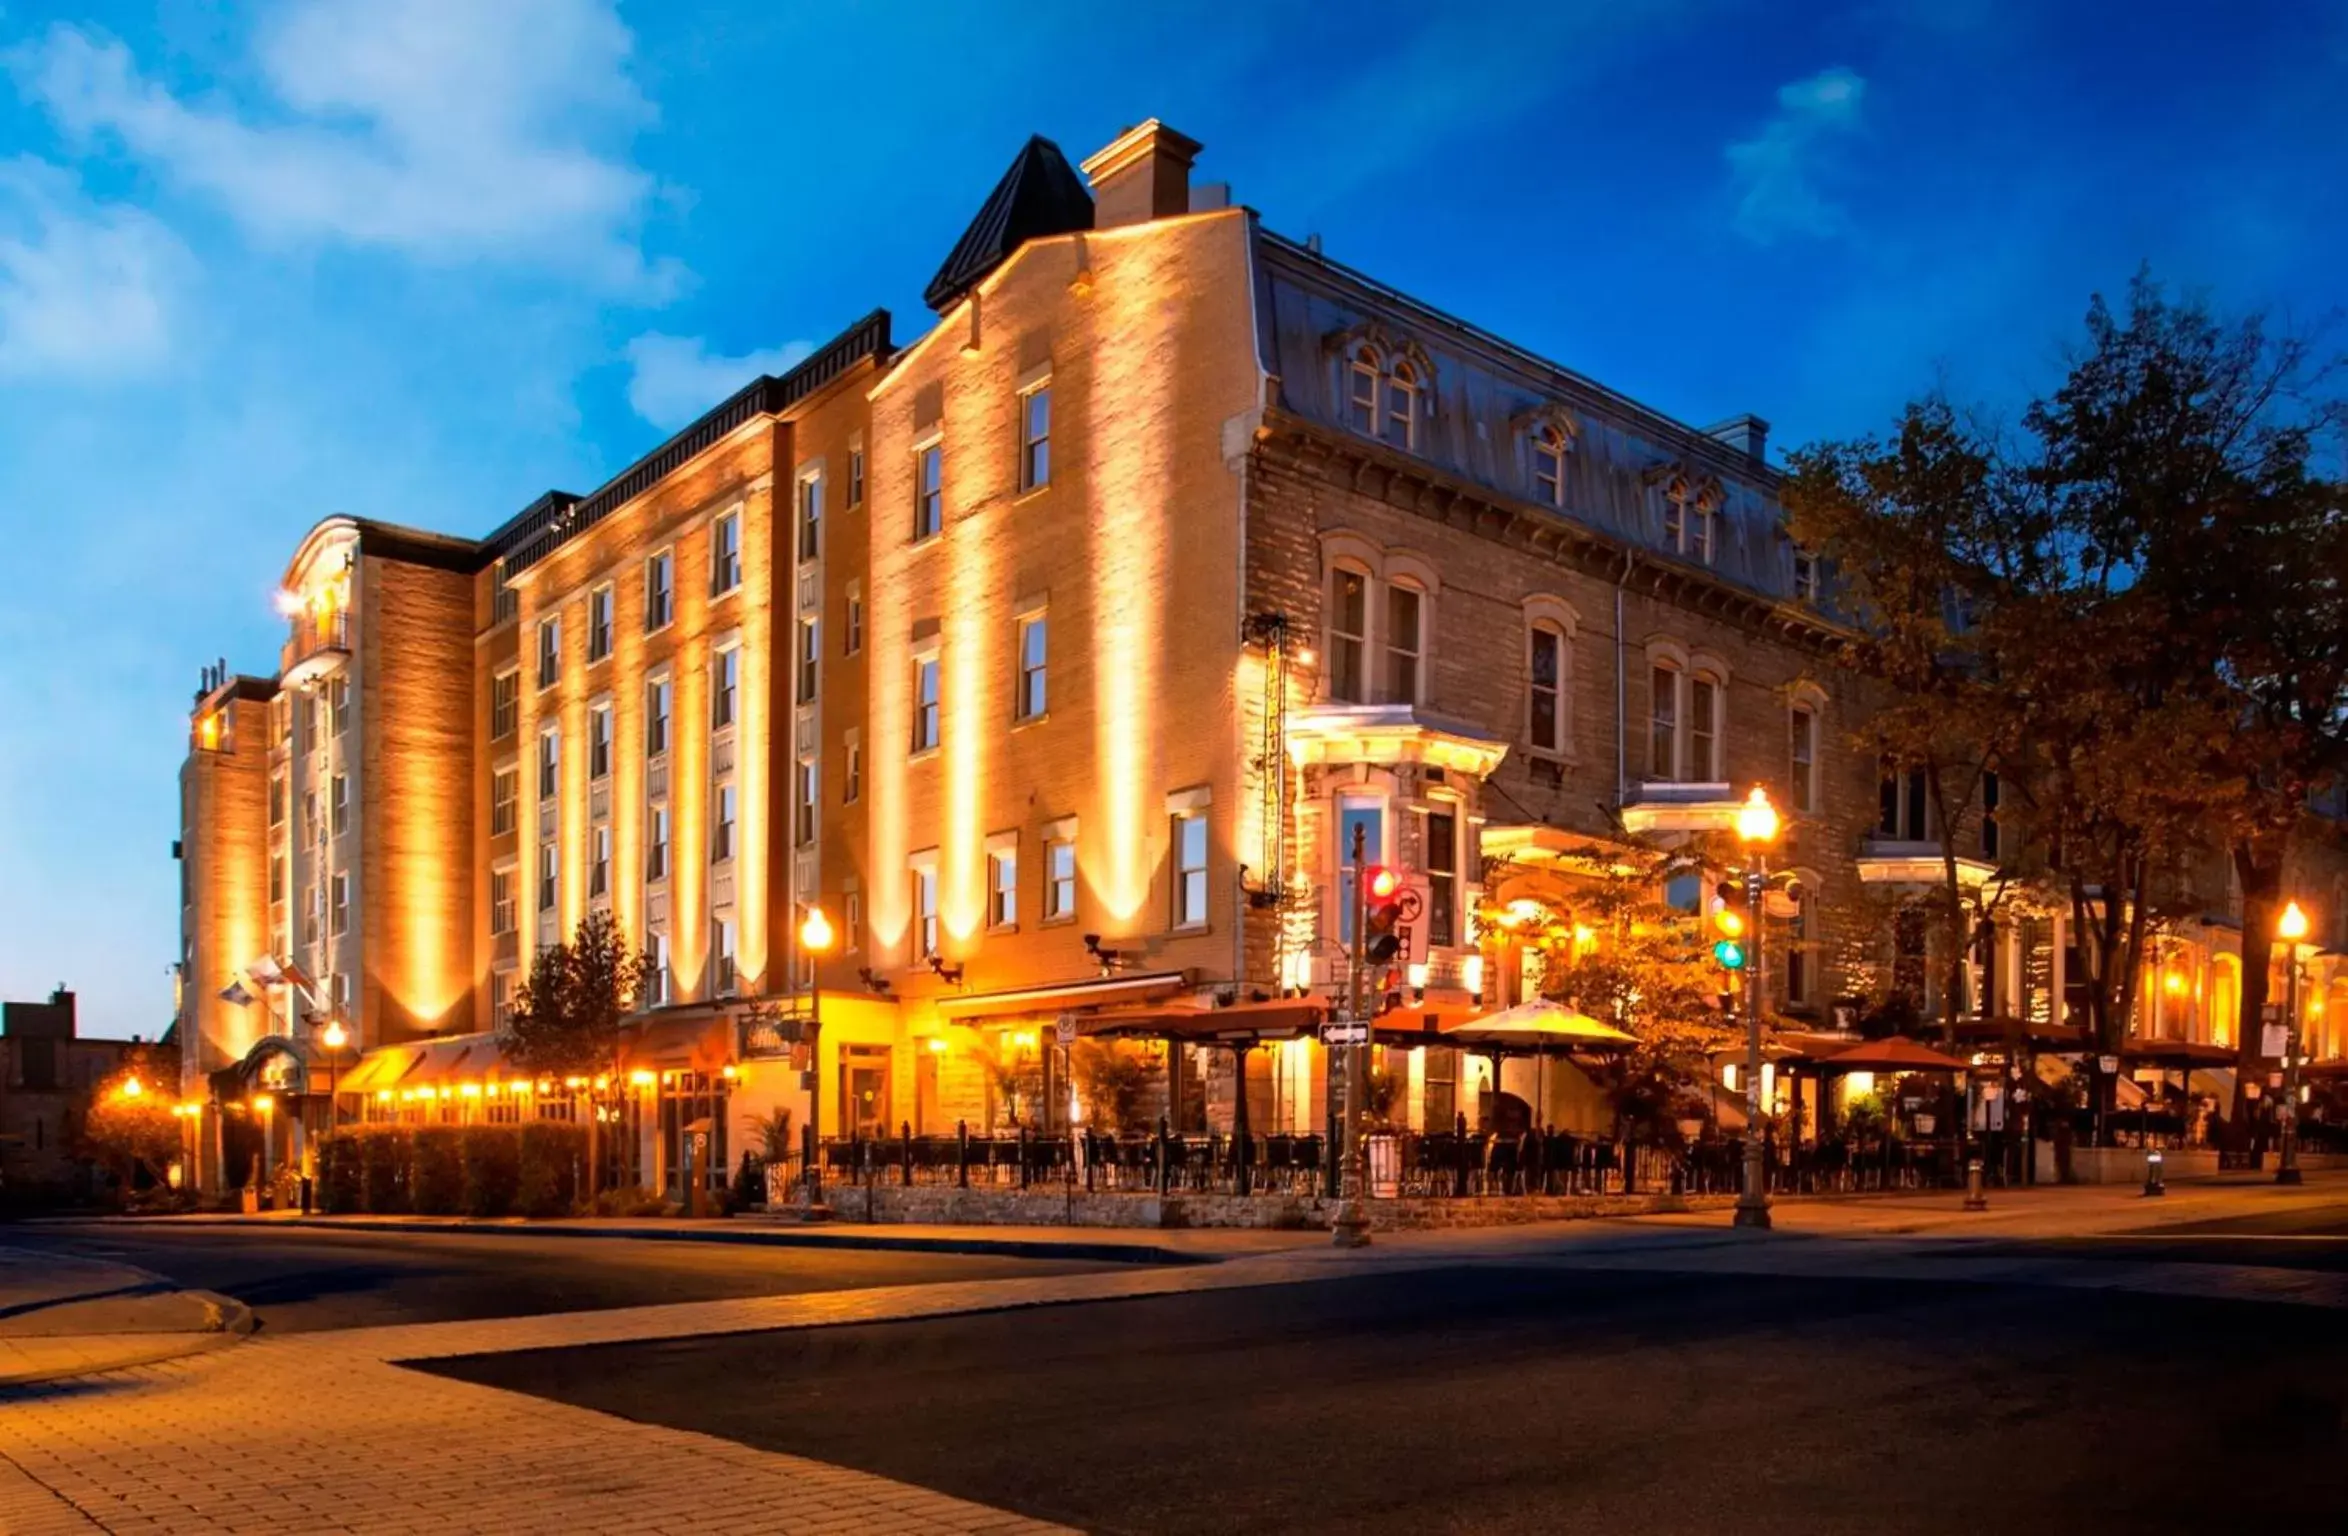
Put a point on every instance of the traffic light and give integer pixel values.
(1382, 913)
(1728, 928)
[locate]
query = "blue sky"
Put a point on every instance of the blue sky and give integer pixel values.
(422, 259)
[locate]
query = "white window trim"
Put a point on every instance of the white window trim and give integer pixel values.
(999, 844)
(929, 651)
(934, 437)
(741, 523)
(1036, 380)
(1052, 834)
(666, 552)
(922, 861)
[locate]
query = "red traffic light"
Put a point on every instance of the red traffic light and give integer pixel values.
(1384, 882)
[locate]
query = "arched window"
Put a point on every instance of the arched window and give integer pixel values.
(1349, 635)
(1402, 405)
(1688, 516)
(1361, 386)
(1549, 465)
(1405, 639)
(1545, 696)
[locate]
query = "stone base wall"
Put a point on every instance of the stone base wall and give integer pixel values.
(2125, 1165)
(941, 1205)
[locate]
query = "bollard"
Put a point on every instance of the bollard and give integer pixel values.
(2153, 1182)
(1976, 1198)
(907, 1179)
(1023, 1157)
(1165, 1158)
(962, 1154)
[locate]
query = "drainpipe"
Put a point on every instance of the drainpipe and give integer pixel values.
(1622, 771)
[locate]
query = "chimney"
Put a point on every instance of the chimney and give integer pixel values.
(1747, 434)
(1143, 174)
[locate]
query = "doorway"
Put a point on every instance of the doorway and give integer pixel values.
(864, 1089)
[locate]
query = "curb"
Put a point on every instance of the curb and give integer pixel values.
(226, 1314)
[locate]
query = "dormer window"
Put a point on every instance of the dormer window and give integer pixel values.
(1382, 397)
(1549, 466)
(1805, 577)
(1689, 513)
(1362, 384)
(1402, 405)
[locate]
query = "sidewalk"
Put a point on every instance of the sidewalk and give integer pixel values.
(63, 1316)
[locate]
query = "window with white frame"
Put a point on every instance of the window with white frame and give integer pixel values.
(338, 905)
(1060, 874)
(1802, 721)
(852, 626)
(598, 862)
(549, 880)
(725, 554)
(810, 658)
(338, 703)
(1703, 764)
(1548, 465)
(1663, 722)
(658, 693)
(338, 804)
(1035, 436)
(725, 686)
(598, 743)
(501, 900)
(1405, 641)
(1402, 405)
(1349, 635)
(810, 516)
(1805, 577)
(929, 488)
(852, 767)
(1545, 695)
(550, 763)
(1361, 390)
(810, 796)
(599, 623)
(1368, 818)
(1032, 645)
(725, 808)
(311, 831)
(1002, 882)
(721, 957)
(656, 844)
(550, 651)
(856, 476)
(1190, 869)
(505, 703)
(1689, 512)
(656, 976)
(923, 867)
(925, 702)
(1904, 812)
(1441, 857)
(277, 799)
(660, 590)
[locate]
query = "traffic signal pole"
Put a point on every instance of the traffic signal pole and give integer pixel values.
(1753, 1201)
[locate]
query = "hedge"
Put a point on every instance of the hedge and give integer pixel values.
(449, 1170)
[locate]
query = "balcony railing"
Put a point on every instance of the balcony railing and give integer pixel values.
(319, 643)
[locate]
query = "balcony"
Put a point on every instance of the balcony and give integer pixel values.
(320, 642)
(1668, 806)
(1343, 734)
(1909, 864)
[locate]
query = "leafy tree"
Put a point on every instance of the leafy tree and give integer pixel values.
(127, 1129)
(567, 1015)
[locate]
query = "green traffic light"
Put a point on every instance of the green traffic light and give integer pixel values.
(1730, 954)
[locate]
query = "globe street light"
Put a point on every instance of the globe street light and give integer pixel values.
(2291, 927)
(1756, 830)
(334, 1037)
(815, 939)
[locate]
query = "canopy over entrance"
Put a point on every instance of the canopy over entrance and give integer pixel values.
(1894, 1053)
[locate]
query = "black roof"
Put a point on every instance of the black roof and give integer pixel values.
(1040, 195)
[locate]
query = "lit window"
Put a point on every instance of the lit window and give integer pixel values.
(925, 703)
(549, 876)
(599, 862)
(598, 624)
(338, 905)
(810, 516)
(550, 754)
(1059, 878)
(1362, 392)
(810, 797)
(1703, 730)
(1031, 667)
(852, 777)
(501, 902)
(1442, 862)
(1663, 724)
(656, 980)
(725, 681)
(721, 956)
(852, 631)
(1190, 870)
(656, 844)
(338, 703)
(929, 489)
(1349, 627)
(660, 591)
(855, 477)
(725, 554)
(599, 743)
(338, 803)
(505, 704)
(1035, 438)
(1545, 694)
(1404, 608)
(1402, 405)
(721, 824)
(1549, 467)
(810, 656)
(550, 651)
(925, 904)
(1804, 723)
(1002, 886)
(656, 717)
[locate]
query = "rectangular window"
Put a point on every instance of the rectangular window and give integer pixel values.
(721, 824)
(276, 878)
(1349, 628)
(1700, 532)
(852, 933)
(809, 797)
(501, 1013)
(1797, 953)
(725, 554)
(925, 703)
(656, 844)
(599, 862)
(1663, 724)
(1549, 468)
(310, 832)
(550, 754)
(1369, 817)
(550, 651)
(721, 956)
(338, 804)
(1989, 827)
(598, 624)
(656, 717)
(810, 657)
(599, 743)
(505, 704)
(1805, 577)
(1362, 396)
(855, 477)
(1544, 698)
(660, 591)
(852, 761)
(656, 984)
(338, 704)
(1031, 667)
(1035, 438)
(311, 737)
(929, 490)
(1403, 608)
(725, 685)
(501, 902)
(1190, 870)
(277, 799)
(505, 604)
(1442, 878)
(1903, 810)
(852, 631)
(505, 790)
(925, 905)
(1804, 722)
(1059, 878)
(338, 905)
(1703, 729)
(810, 517)
(1002, 886)
(313, 899)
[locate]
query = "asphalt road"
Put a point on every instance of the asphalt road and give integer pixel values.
(2293, 1239)
(298, 1280)
(1526, 1399)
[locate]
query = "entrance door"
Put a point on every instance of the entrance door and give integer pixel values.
(864, 1088)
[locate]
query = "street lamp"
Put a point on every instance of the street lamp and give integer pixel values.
(334, 1037)
(1756, 830)
(815, 939)
(131, 1087)
(2291, 927)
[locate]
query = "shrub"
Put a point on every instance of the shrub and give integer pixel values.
(340, 1178)
(547, 1178)
(749, 1183)
(630, 1202)
(493, 1169)
(384, 1155)
(437, 1187)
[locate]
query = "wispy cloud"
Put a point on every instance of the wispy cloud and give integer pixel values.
(85, 287)
(673, 379)
(1775, 175)
(448, 130)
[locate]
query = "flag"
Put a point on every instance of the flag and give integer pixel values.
(235, 993)
(294, 976)
(265, 972)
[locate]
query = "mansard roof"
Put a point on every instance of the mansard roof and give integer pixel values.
(1040, 195)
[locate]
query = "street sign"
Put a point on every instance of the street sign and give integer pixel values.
(1345, 1034)
(1064, 1031)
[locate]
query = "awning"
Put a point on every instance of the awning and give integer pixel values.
(382, 1067)
(447, 1062)
(2008, 1030)
(1061, 997)
(2178, 1053)
(691, 1039)
(1894, 1053)
(1537, 1027)
(1203, 1024)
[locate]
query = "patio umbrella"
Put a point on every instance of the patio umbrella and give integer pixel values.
(1537, 1026)
(1894, 1053)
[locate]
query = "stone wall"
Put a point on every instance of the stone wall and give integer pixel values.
(946, 1205)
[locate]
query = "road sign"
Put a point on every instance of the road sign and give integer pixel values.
(1065, 1030)
(1345, 1034)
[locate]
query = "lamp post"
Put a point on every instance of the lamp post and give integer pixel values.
(815, 939)
(2291, 927)
(334, 1037)
(1756, 830)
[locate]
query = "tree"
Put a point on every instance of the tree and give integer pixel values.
(128, 1128)
(567, 1017)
